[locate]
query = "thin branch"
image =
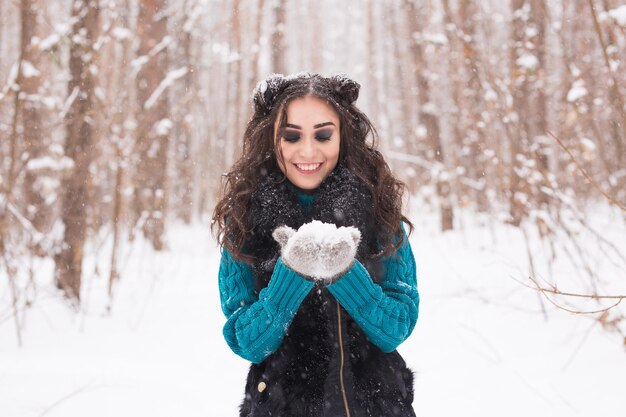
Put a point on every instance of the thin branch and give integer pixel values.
(591, 180)
(570, 294)
(546, 291)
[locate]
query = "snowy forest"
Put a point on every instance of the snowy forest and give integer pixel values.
(505, 119)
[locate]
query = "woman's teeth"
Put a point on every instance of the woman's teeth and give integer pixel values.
(308, 167)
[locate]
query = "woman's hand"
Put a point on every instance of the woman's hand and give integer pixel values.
(317, 250)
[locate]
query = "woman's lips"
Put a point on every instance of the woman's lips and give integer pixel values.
(306, 168)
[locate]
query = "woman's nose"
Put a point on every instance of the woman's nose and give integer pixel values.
(308, 148)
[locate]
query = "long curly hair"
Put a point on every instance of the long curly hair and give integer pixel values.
(259, 157)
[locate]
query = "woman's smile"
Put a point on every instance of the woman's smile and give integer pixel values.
(308, 145)
(309, 168)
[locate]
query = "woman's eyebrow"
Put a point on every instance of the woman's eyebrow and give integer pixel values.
(317, 126)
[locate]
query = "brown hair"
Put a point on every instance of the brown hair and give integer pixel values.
(259, 158)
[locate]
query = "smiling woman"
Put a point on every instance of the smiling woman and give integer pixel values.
(308, 148)
(317, 278)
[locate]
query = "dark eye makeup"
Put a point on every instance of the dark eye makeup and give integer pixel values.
(322, 136)
(291, 136)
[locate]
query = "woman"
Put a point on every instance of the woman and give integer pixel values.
(317, 278)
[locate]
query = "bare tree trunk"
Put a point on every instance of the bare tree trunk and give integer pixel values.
(236, 77)
(573, 120)
(230, 141)
(79, 147)
(7, 187)
(617, 121)
(29, 80)
(385, 88)
(116, 223)
(428, 118)
(528, 82)
(278, 38)
(455, 65)
(317, 58)
(1, 24)
(401, 105)
(394, 23)
(256, 51)
(390, 101)
(153, 128)
(121, 135)
(617, 135)
(186, 177)
(519, 189)
(372, 66)
(539, 21)
(471, 120)
(214, 142)
(615, 96)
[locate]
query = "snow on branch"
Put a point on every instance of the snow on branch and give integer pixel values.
(169, 79)
(48, 163)
(436, 169)
(192, 16)
(577, 91)
(140, 61)
(618, 14)
(29, 70)
(68, 103)
(11, 83)
(38, 237)
(53, 40)
(528, 61)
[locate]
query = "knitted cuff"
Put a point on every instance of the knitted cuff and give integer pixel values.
(286, 288)
(356, 288)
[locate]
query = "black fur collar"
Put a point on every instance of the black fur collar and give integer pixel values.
(342, 199)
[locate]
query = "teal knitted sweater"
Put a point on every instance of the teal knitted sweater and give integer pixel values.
(256, 326)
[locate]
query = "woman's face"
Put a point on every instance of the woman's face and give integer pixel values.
(309, 143)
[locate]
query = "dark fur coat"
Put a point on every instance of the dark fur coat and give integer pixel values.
(304, 377)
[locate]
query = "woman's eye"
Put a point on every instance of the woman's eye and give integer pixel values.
(291, 137)
(323, 135)
(320, 136)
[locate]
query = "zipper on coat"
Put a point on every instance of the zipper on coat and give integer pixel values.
(343, 388)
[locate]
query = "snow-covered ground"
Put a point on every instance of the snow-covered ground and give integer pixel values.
(482, 346)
